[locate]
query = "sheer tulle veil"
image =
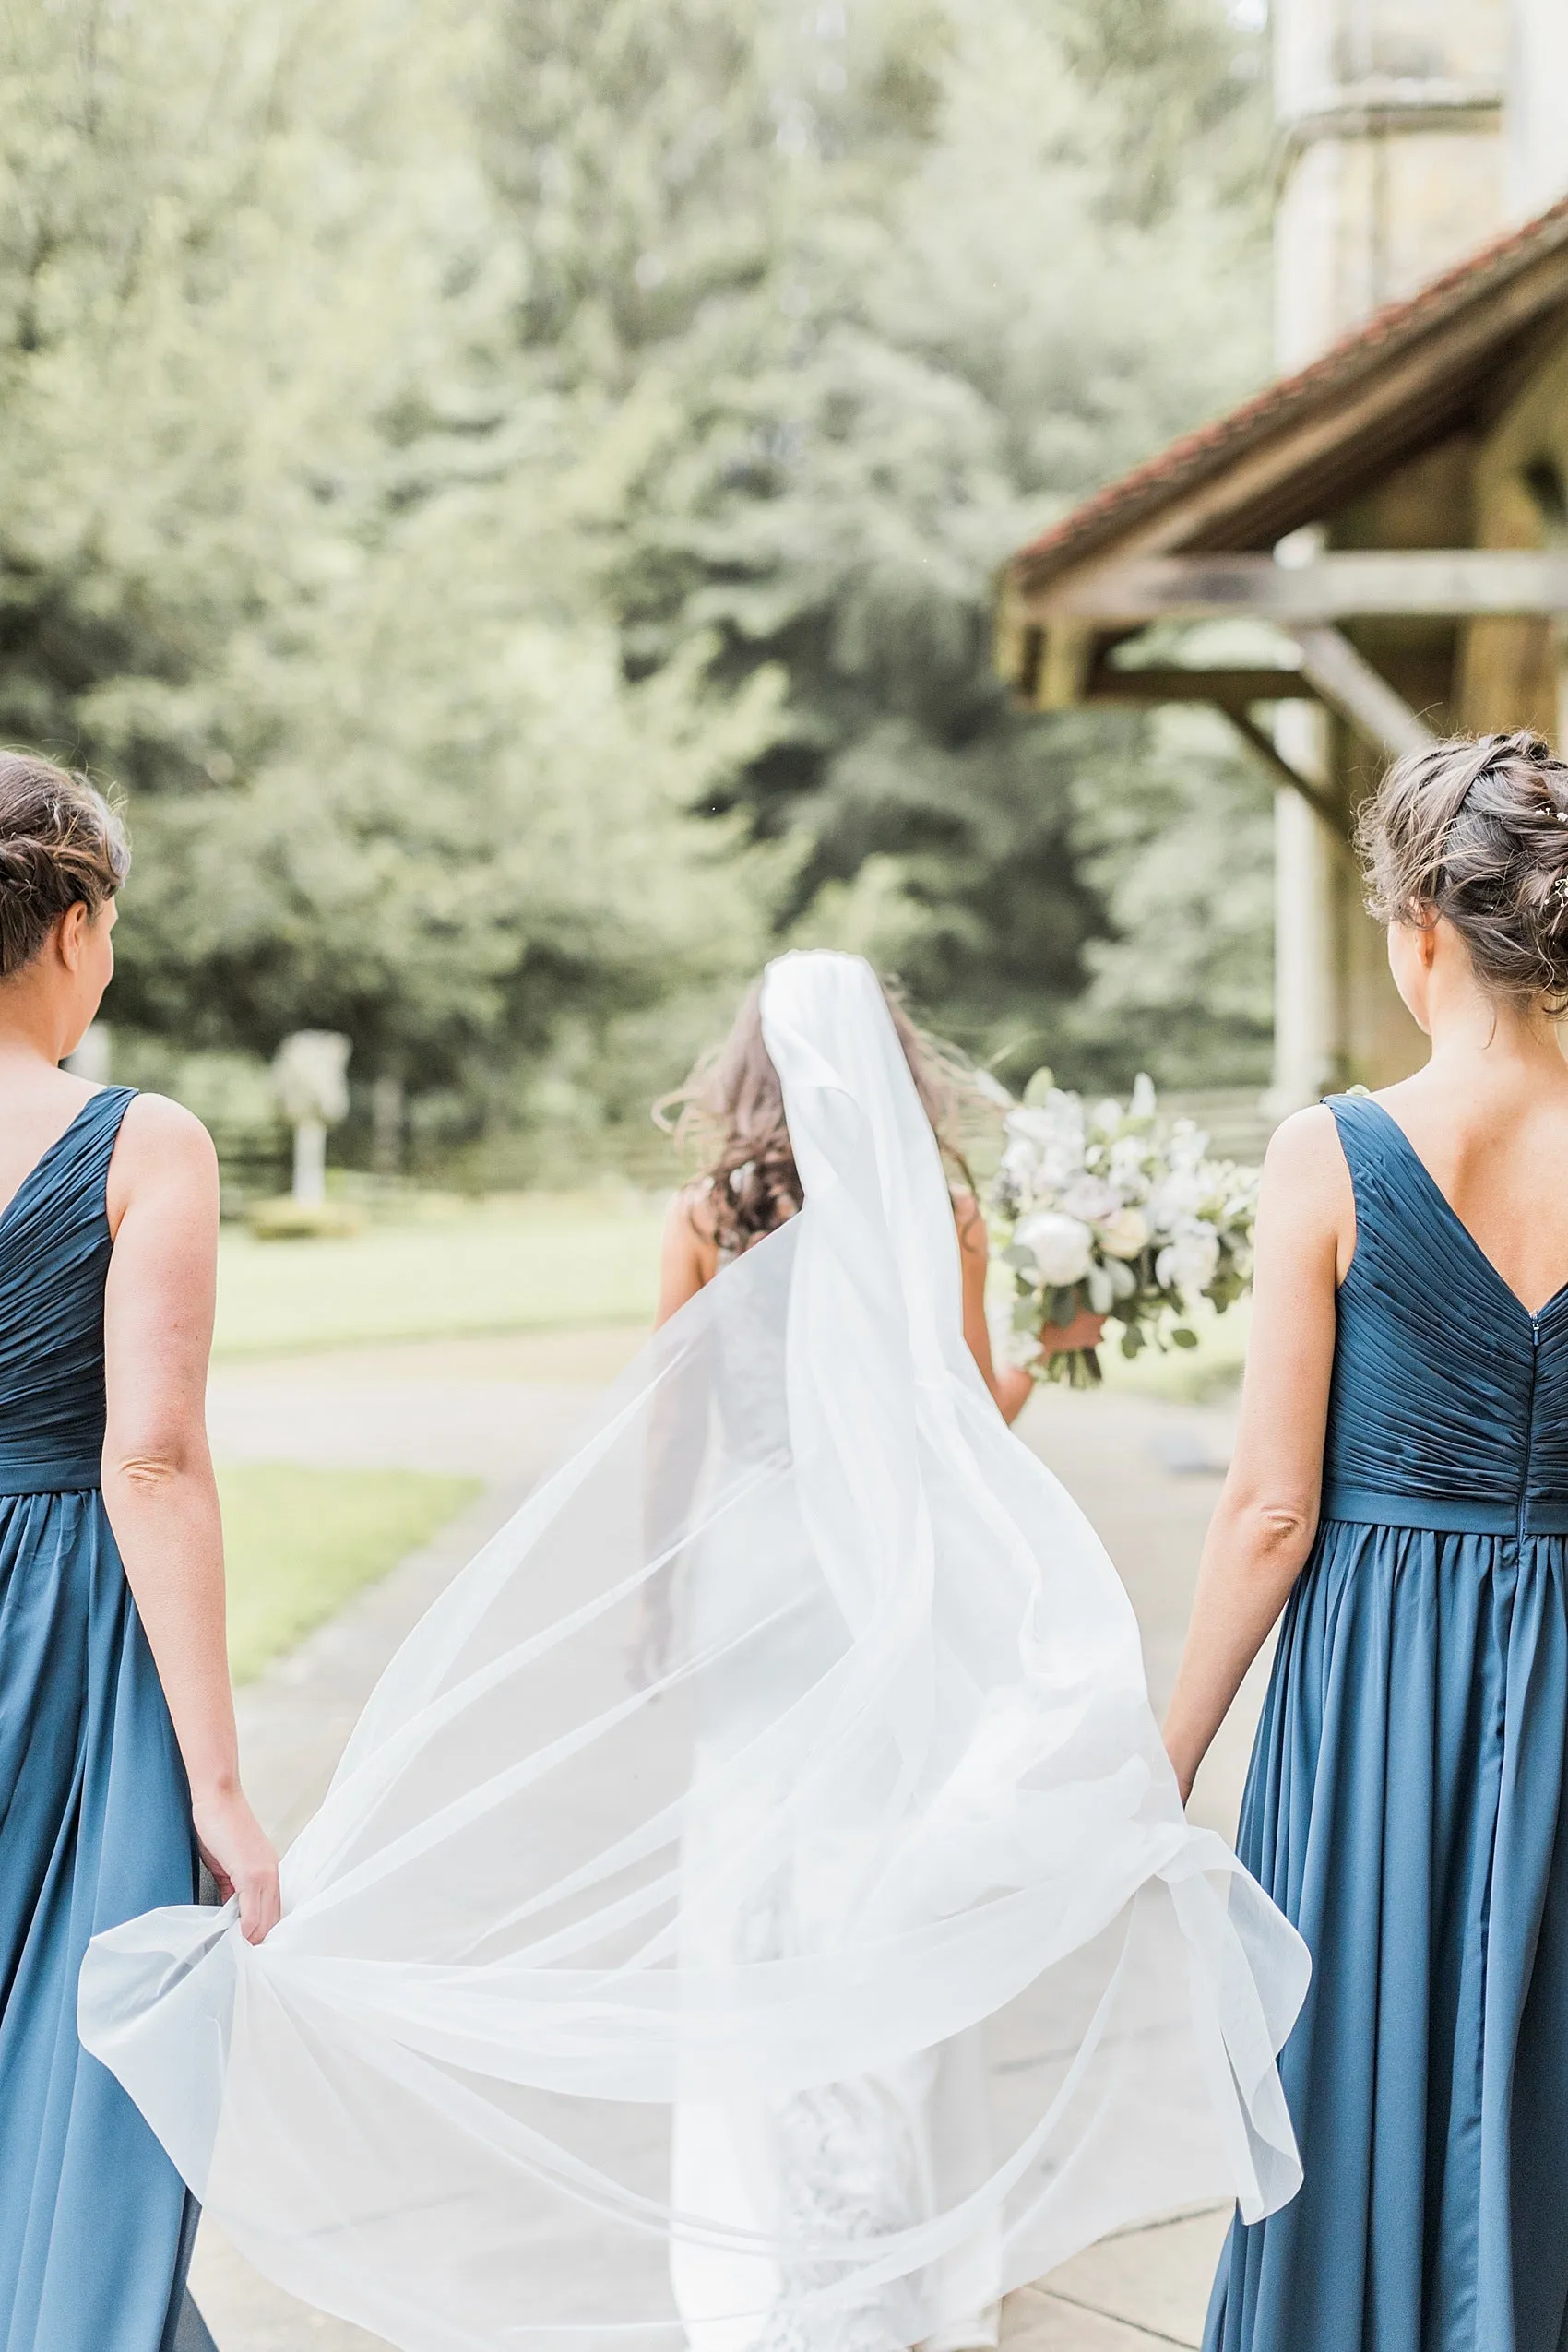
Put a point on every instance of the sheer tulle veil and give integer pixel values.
(803, 1977)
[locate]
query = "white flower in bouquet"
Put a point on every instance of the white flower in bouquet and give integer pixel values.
(1059, 1245)
(1101, 1210)
(1032, 1125)
(1189, 1264)
(1128, 1156)
(1092, 1200)
(1125, 1233)
(1177, 1197)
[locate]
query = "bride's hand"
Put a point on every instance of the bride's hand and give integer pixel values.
(239, 1853)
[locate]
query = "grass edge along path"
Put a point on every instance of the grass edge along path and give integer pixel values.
(301, 1542)
(551, 1265)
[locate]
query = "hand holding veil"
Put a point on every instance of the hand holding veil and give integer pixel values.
(851, 1964)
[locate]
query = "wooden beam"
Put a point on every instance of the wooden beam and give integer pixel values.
(1281, 770)
(1346, 682)
(1236, 694)
(1231, 689)
(1441, 583)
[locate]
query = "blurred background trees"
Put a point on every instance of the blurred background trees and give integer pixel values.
(510, 489)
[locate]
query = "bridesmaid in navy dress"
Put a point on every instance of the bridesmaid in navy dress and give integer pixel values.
(117, 1753)
(1400, 1488)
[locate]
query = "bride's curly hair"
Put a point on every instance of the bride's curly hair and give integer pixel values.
(730, 1113)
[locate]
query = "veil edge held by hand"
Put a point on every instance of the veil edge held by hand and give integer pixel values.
(754, 1911)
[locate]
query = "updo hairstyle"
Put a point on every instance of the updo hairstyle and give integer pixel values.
(60, 846)
(1476, 829)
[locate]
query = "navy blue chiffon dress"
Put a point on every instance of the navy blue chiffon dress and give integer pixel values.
(95, 1816)
(1404, 1808)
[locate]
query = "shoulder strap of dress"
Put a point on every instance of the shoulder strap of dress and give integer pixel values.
(1369, 1139)
(101, 1117)
(90, 1144)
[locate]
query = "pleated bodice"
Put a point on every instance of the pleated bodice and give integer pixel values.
(1449, 1405)
(55, 1249)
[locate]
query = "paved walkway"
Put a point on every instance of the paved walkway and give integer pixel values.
(504, 1409)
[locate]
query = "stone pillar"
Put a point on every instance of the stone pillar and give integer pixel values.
(1390, 112)
(1307, 1015)
(1536, 139)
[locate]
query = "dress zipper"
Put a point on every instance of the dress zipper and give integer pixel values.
(1529, 1426)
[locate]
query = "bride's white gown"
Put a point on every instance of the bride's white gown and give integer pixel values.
(803, 1998)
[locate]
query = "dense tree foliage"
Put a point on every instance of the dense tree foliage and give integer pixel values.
(957, 285)
(510, 489)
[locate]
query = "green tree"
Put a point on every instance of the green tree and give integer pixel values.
(291, 547)
(961, 279)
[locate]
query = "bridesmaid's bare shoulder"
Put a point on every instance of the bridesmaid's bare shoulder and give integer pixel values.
(1306, 1183)
(161, 1145)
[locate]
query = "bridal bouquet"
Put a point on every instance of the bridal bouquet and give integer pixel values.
(1101, 1210)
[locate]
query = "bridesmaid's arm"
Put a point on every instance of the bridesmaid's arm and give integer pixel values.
(1266, 1517)
(158, 1484)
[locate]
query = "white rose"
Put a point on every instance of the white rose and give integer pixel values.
(1090, 1198)
(1060, 1246)
(1124, 1234)
(1189, 1264)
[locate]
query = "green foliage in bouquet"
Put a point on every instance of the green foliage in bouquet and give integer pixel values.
(1102, 1209)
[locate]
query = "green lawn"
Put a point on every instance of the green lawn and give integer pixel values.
(301, 1542)
(531, 1263)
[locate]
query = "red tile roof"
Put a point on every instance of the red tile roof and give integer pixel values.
(1201, 454)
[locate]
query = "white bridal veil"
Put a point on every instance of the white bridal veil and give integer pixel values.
(754, 1911)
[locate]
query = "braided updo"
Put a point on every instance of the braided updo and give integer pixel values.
(60, 846)
(1476, 830)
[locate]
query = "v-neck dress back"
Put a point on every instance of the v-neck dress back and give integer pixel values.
(95, 1822)
(1405, 1809)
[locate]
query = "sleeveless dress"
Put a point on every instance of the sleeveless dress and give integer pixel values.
(1404, 1808)
(95, 1822)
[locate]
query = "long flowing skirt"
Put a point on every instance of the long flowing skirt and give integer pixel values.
(1405, 1809)
(95, 2223)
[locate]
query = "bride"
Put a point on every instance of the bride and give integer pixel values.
(865, 1887)
(842, 2158)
